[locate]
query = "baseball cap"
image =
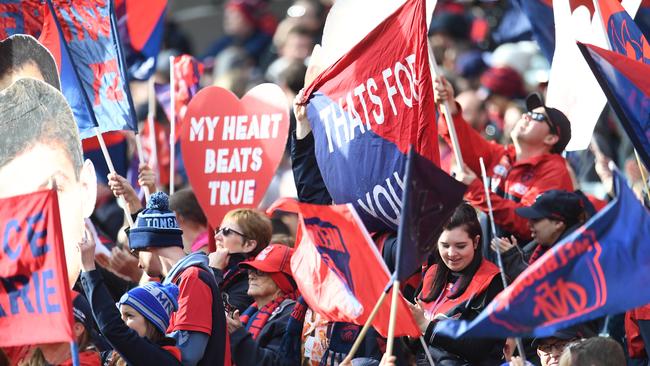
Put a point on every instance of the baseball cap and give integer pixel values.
(584, 330)
(275, 260)
(562, 126)
(554, 204)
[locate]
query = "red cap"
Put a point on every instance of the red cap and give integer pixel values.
(275, 260)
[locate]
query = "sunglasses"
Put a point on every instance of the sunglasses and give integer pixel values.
(226, 231)
(540, 117)
(256, 272)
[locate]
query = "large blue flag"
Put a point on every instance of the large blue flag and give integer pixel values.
(140, 25)
(587, 275)
(540, 15)
(429, 199)
(20, 17)
(626, 84)
(83, 40)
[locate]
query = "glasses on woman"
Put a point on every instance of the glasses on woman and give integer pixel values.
(226, 231)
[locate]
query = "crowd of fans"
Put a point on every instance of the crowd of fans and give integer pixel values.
(194, 295)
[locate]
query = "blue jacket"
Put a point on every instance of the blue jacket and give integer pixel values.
(265, 350)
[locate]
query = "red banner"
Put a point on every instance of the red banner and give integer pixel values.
(338, 269)
(35, 305)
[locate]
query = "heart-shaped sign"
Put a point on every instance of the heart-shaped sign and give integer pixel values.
(231, 148)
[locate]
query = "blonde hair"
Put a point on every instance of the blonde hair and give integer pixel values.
(255, 225)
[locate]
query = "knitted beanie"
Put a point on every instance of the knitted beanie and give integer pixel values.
(156, 302)
(156, 226)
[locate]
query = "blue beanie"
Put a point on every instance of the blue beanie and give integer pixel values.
(154, 301)
(156, 226)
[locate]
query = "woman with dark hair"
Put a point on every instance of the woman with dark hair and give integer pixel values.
(458, 285)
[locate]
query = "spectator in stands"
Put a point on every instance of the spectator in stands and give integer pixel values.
(257, 334)
(191, 220)
(518, 172)
(459, 285)
(242, 235)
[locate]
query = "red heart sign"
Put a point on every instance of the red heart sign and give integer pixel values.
(231, 148)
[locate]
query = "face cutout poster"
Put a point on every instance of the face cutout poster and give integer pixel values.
(231, 147)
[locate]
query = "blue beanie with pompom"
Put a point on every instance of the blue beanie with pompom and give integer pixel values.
(156, 226)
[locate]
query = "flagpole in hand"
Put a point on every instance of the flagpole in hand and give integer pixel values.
(367, 325)
(172, 123)
(433, 67)
(520, 346)
(111, 169)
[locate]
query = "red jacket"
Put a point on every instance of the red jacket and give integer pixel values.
(514, 183)
(635, 346)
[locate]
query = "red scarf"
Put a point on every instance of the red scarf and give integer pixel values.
(254, 320)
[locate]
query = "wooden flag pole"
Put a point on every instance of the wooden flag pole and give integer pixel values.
(393, 316)
(433, 67)
(366, 326)
(172, 123)
(643, 173)
(426, 351)
(111, 169)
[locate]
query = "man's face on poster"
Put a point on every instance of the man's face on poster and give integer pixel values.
(36, 168)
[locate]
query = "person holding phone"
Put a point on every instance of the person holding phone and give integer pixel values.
(459, 286)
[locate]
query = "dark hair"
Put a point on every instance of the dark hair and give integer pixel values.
(294, 76)
(596, 351)
(464, 217)
(20, 50)
(185, 204)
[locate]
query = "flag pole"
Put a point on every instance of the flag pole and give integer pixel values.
(111, 169)
(367, 325)
(172, 135)
(393, 317)
(520, 345)
(433, 67)
(74, 353)
(426, 351)
(138, 144)
(643, 173)
(151, 115)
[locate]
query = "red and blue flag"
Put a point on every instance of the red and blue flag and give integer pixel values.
(540, 16)
(82, 38)
(623, 34)
(585, 276)
(339, 270)
(34, 290)
(141, 25)
(20, 17)
(367, 108)
(187, 76)
(430, 198)
(626, 84)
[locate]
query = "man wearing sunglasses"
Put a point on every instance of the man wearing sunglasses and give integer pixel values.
(519, 172)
